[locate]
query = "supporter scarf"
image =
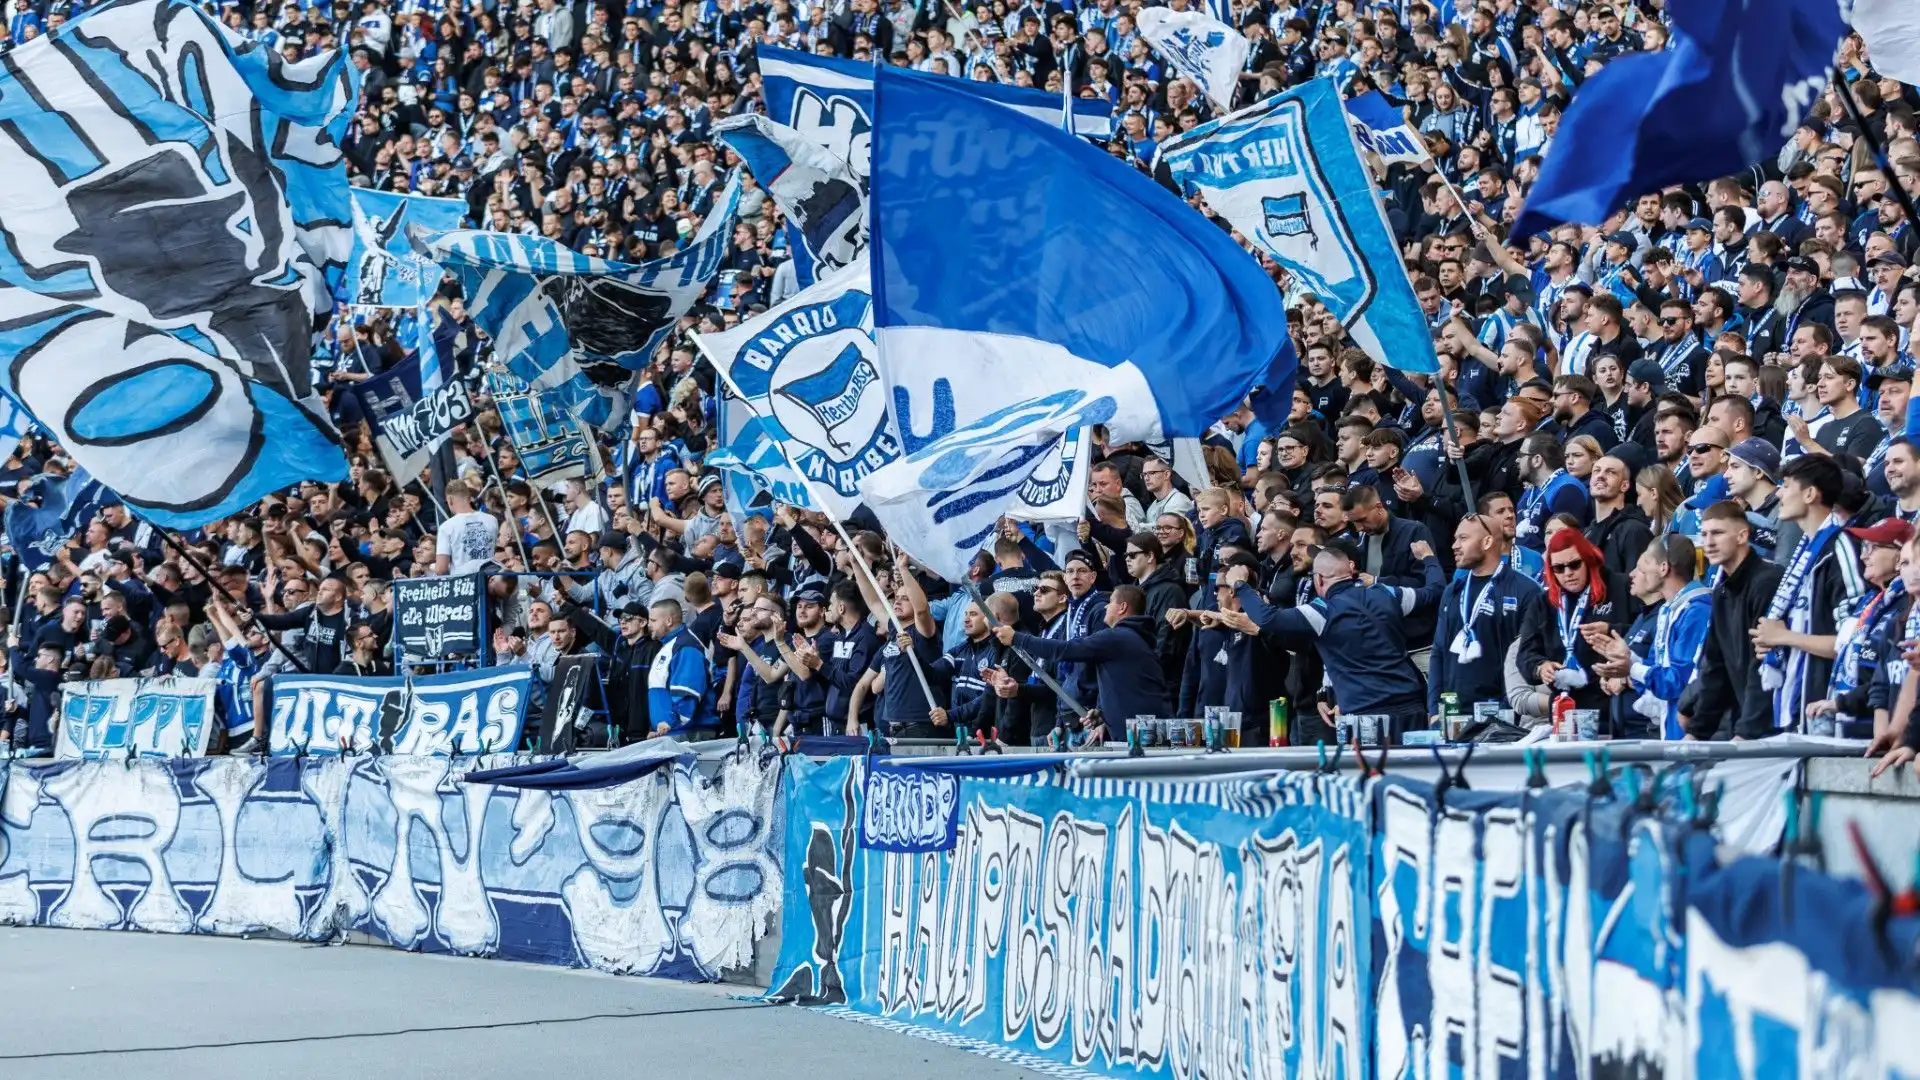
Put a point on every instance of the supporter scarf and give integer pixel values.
(1572, 676)
(1897, 663)
(1466, 643)
(1856, 632)
(1648, 704)
(1783, 673)
(1534, 499)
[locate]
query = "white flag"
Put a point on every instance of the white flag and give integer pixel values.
(807, 370)
(814, 187)
(1205, 49)
(1027, 461)
(1891, 29)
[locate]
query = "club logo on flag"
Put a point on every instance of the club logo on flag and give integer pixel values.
(1052, 479)
(1287, 216)
(837, 123)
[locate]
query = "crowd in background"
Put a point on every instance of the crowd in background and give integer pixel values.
(1670, 480)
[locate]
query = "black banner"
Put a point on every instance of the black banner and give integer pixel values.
(572, 698)
(437, 617)
(409, 425)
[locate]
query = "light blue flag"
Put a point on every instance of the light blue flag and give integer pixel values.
(175, 220)
(756, 474)
(391, 265)
(807, 369)
(15, 423)
(1046, 266)
(1287, 175)
(1382, 129)
(551, 444)
(577, 328)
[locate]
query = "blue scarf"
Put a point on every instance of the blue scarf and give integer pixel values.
(1784, 672)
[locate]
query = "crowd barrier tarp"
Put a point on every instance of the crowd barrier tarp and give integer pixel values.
(113, 718)
(458, 712)
(673, 874)
(1308, 927)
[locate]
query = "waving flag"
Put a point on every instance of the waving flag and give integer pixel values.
(391, 264)
(15, 423)
(1028, 461)
(825, 204)
(1382, 129)
(1286, 175)
(1102, 280)
(1737, 80)
(807, 370)
(1205, 49)
(1891, 29)
(755, 472)
(578, 328)
(552, 445)
(175, 219)
(37, 532)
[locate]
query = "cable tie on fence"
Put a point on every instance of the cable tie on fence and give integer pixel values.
(1369, 771)
(1450, 778)
(1599, 773)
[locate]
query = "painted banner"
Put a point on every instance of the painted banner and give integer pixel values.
(1307, 927)
(463, 712)
(120, 718)
(670, 875)
(437, 617)
(391, 265)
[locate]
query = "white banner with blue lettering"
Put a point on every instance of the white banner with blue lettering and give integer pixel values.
(1202, 48)
(462, 712)
(672, 873)
(1029, 462)
(1286, 174)
(392, 265)
(807, 370)
(576, 327)
(120, 718)
(1382, 129)
(1306, 926)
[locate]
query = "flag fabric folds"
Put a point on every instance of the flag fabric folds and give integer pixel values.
(411, 420)
(1287, 175)
(807, 370)
(37, 532)
(391, 264)
(550, 442)
(1205, 49)
(577, 328)
(176, 221)
(1737, 80)
(825, 204)
(1100, 281)
(751, 465)
(1382, 129)
(1891, 29)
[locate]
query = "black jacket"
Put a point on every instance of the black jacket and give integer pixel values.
(1516, 612)
(1617, 611)
(1124, 664)
(1360, 633)
(1731, 697)
(1622, 537)
(1166, 589)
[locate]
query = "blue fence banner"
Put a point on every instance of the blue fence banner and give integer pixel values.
(908, 809)
(120, 718)
(674, 874)
(1308, 926)
(463, 712)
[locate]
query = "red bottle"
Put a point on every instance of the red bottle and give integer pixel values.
(1562, 715)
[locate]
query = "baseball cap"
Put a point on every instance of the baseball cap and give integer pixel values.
(634, 609)
(1700, 223)
(1649, 372)
(727, 570)
(1887, 532)
(1759, 454)
(810, 595)
(1621, 237)
(1890, 258)
(1804, 265)
(612, 539)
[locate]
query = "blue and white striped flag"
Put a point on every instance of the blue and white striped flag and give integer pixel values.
(1382, 129)
(15, 423)
(176, 221)
(577, 328)
(755, 472)
(1287, 175)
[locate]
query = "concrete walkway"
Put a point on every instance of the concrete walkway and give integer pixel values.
(90, 1004)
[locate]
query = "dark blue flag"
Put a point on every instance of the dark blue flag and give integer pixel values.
(65, 506)
(1740, 77)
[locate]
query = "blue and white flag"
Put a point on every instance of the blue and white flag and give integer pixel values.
(1028, 461)
(808, 370)
(578, 328)
(176, 219)
(391, 265)
(755, 472)
(1729, 92)
(1046, 266)
(825, 204)
(1891, 29)
(15, 424)
(410, 420)
(1204, 49)
(551, 444)
(1287, 175)
(1382, 129)
(65, 506)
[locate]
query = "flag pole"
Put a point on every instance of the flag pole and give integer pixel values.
(172, 541)
(1879, 152)
(813, 493)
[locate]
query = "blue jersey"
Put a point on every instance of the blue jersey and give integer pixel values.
(233, 697)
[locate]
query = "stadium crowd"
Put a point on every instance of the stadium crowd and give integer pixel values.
(1671, 480)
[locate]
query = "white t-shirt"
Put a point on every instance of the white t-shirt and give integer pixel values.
(589, 519)
(467, 540)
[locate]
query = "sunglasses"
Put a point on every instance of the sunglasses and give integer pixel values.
(1044, 589)
(1671, 320)
(1136, 554)
(1567, 568)
(1701, 448)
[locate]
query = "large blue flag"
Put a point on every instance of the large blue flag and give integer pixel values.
(576, 328)
(1287, 175)
(1737, 81)
(175, 221)
(391, 265)
(65, 505)
(1045, 266)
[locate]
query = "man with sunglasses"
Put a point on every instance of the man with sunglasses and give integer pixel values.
(1682, 359)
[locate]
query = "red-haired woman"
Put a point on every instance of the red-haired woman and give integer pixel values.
(1581, 591)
